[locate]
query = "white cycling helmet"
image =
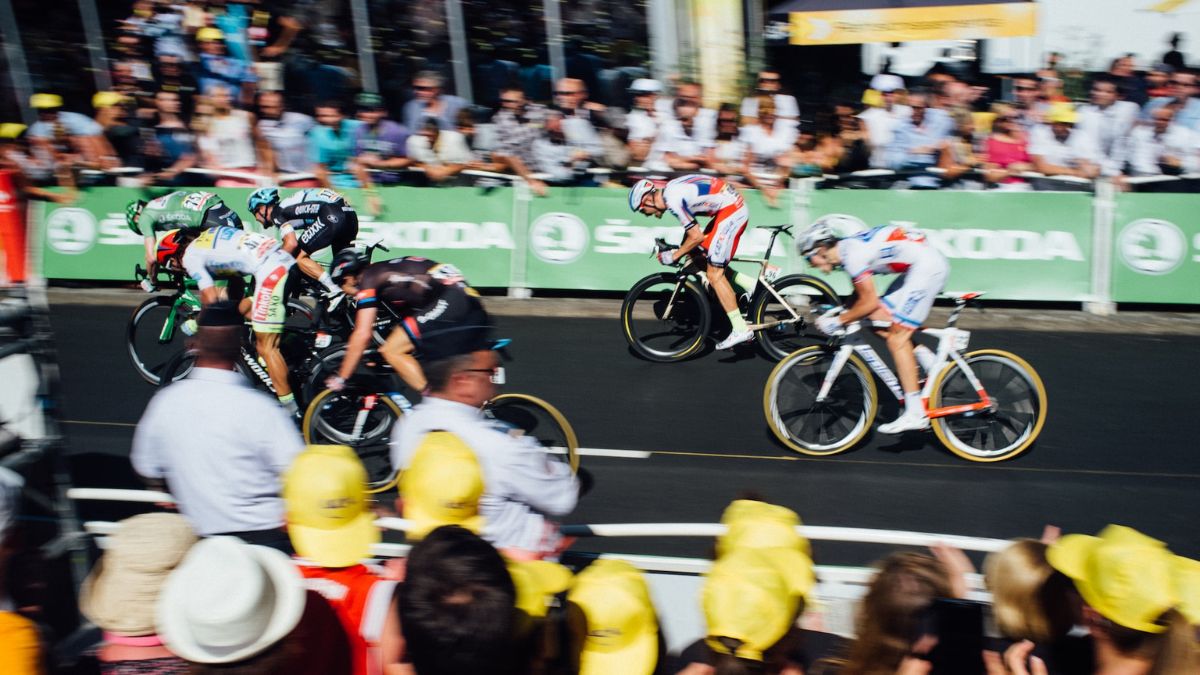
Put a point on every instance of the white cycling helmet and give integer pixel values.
(638, 192)
(827, 230)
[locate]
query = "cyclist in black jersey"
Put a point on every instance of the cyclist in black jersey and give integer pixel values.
(441, 316)
(309, 220)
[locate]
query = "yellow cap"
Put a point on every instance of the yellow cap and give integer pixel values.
(1123, 574)
(208, 33)
(442, 486)
(11, 129)
(622, 628)
(45, 101)
(872, 98)
(537, 582)
(755, 524)
(107, 99)
(747, 596)
(1062, 112)
(1187, 585)
(329, 519)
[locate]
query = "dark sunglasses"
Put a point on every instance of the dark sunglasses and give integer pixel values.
(768, 79)
(513, 101)
(565, 93)
(422, 88)
(1026, 88)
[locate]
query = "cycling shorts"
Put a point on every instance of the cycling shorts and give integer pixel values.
(911, 295)
(269, 310)
(723, 233)
(336, 228)
(455, 324)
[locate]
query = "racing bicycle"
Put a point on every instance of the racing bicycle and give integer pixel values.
(985, 406)
(666, 316)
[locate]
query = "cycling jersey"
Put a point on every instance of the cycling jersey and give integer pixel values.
(187, 211)
(440, 312)
(225, 251)
(895, 250)
(320, 217)
(692, 196)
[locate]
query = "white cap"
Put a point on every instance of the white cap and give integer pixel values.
(646, 85)
(885, 82)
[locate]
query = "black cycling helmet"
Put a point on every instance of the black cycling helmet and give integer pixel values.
(347, 262)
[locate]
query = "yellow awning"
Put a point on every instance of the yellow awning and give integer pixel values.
(909, 24)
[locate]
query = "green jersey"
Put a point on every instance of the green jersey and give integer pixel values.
(187, 211)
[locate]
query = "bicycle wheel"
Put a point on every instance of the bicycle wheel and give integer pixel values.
(814, 427)
(538, 420)
(360, 418)
(805, 295)
(1006, 429)
(665, 319)
(153, 337)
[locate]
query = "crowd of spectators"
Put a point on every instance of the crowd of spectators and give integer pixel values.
(212, 92)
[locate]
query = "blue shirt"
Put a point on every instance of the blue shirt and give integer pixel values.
(1187, 117)
(933, 130)
(225, 70)
(74, 124)
(334, 149)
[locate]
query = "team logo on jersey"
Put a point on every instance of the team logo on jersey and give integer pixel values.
(71, 231)
(1152, 246)
(558, 238)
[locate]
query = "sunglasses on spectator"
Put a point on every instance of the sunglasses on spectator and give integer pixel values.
(423, 88)
(1026, 88)
(1182, 84)
(565, 92)
(727, 120)
(768, 79)
(512, 101)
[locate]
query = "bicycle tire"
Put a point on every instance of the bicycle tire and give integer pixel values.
(801, 372)
(665, 340)
(1024, 405)
(148, 353)
(319, 427)
(779, 341)
(178, 367)
(558, 441)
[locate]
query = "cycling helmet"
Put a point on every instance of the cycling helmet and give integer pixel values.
(638, 192)
(347, 262)
(169, 248)
(267, 196)
(827, 230)
(133, 211)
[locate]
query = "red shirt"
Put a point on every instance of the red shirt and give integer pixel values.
(361, 599)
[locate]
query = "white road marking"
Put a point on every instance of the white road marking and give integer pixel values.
(607, 452)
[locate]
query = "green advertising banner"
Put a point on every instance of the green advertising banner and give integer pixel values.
(1013, 245)
(469, 227)
(1156, 248)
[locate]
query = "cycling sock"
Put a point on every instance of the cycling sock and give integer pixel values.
(925, 357)
(913, 404)
(736, 321)
(327, 282)
(745, 281)
(289, 404)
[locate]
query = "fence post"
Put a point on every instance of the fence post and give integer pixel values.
(802, 190)
(518, 286)
(1103, 213)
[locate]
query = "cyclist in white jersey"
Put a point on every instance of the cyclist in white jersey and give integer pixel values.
(906, 304)
(713, 246)
(229, 252)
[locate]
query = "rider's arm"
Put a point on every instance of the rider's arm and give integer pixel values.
(151, 255)
(867, 300)
(692, 237)
(364, 326)
(287, 235)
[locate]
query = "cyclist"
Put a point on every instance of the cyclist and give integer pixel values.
(438, 310)
(322, 217)
(227, 251)
(888, 249)
(713, 247)
(177, 210)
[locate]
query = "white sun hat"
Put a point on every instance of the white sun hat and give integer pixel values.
(229, 600)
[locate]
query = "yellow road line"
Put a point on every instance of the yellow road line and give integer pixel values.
(100, 424)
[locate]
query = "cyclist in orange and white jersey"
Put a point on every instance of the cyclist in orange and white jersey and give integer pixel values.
(884, 250)
(713, 247)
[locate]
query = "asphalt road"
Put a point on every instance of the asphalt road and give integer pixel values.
(1119, 444)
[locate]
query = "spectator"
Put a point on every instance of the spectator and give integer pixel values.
(1131, 86)
(283, 137)
(1175, 58)
(727, 154)
(1108, 120)
(73, 139)
(217, 67)
(769, 84)
(379, 144)
(1005, 154)
(811, 155)
(587, 123)
(1025, 95)
(918, 141)
(1050, 89)
(611, 619)
(644, 121)
(22, 653)
(331, 147)
(850, 147)
(517, 125)
(172, 76)
(882, 121)
(706, 118)
(766, 141)
(520, 487)
(958, 155)
(233, 607)
(440, 153)
(1058, 149)
(1129, 598)
(121, 594)
(1158, 80)
(1162, 147)
(566, 149)
(571, 99)
(122, 138)
(228, 142)
(173, 149)
(224, 474)
(1184, 98)
(430, 103)
(458, 608)
(332, 529)
(538, 584)
(679, 146)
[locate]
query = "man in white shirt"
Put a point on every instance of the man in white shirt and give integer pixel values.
(881, 122)
(1059, 149)
(284, 136)
(1108, 120)
(440, 153)
(692, 92)
(1162, 147)
(643, 121)
(221, 446)
(786, 107)
(679, 146)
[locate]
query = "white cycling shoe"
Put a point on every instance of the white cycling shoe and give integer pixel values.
(906, 422)
(736, 337)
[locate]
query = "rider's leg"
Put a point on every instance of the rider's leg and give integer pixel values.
(267, 345)
(725, 296)
(398, 349)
